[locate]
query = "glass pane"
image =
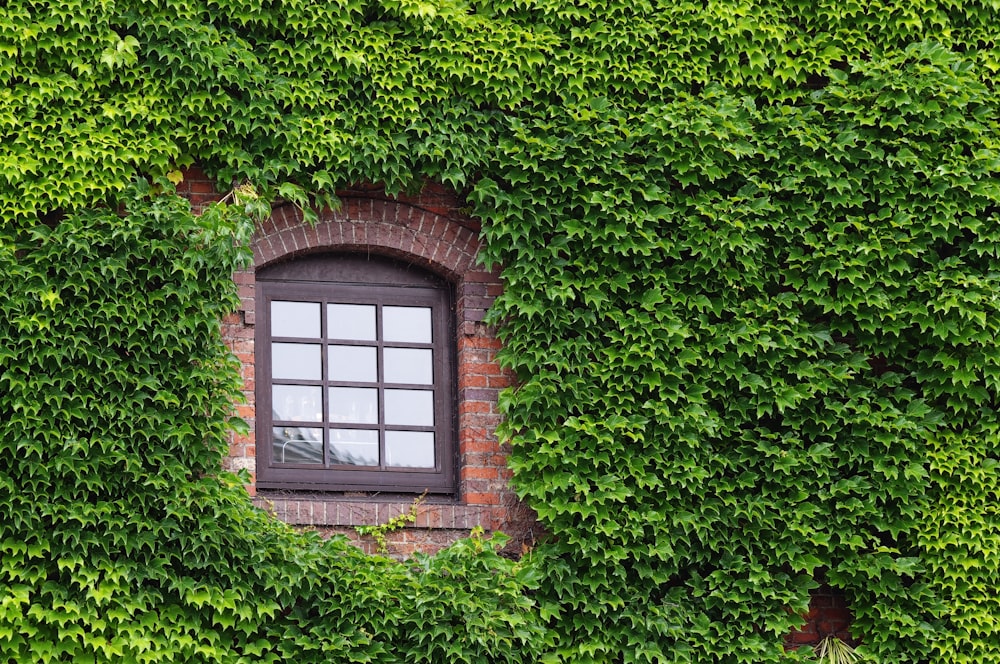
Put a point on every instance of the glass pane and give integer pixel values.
(410, 324)
(295, 319)
(353, 363)
(354, 447)
(413, 407)
(354, 404)
(409, 449)
(296, 445)
(408, 365)
(351, 321)
(302, 403)
(296, 361)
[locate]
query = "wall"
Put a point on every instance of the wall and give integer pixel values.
(427, 229)
(828, 615)
(430, 229)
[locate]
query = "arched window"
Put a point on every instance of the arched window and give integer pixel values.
(354, 376)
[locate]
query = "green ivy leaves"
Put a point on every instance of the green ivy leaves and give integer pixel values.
(750, 255)
(770, 319)
(121, 537)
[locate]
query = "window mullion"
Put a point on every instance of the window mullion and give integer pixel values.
(324, 361)
(380, 377)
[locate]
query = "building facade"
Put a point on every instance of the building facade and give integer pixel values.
(382, 300)
(370, 377)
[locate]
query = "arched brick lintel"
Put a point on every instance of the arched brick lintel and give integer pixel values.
(386, 228)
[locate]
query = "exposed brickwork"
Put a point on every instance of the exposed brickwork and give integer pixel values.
(828, 614)
(434, 198)
(198, 188)
(404, 543)
(429, 230)
(437, 524)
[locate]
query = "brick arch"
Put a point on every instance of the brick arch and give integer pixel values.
(389, 228)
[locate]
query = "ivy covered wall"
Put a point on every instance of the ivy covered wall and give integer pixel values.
(750, 253)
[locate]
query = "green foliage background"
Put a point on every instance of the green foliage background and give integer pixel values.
(751, 264)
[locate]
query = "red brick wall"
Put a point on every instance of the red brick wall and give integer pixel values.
(829, 615)
(429, 230)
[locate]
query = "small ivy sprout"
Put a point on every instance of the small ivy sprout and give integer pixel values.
(379, 532)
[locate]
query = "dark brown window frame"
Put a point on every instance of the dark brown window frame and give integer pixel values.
(357, 279)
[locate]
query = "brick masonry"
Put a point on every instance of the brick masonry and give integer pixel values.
(431, 230)
(828, 615)
(428, 230)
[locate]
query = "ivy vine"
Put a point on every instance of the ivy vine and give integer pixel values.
(750, 253)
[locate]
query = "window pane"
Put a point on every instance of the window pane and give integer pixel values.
(302, 403)
(409, 324)
(351, 321)
(354, 404)
(295, 319)
(412, 407)
(409, 365)
(409, 449)
(354, 447)
(296, 361)
(296, 445)
(353, 363)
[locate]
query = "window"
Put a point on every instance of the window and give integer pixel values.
(354, 377)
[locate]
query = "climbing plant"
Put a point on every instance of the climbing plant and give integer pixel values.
(121, 538)
(750, 253)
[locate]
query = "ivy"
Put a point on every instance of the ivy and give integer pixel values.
(122, 539)
(379, 532)
(750, 252)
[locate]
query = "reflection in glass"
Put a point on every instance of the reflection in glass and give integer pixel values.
(354, 404)
(409, 324)
(353, 363)
(296, 361)
(409, 449)
(301, 403)
(351, 321)
(354, 447)
(295, 319)
(296, 445)
(411, 407)
(408, 365)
